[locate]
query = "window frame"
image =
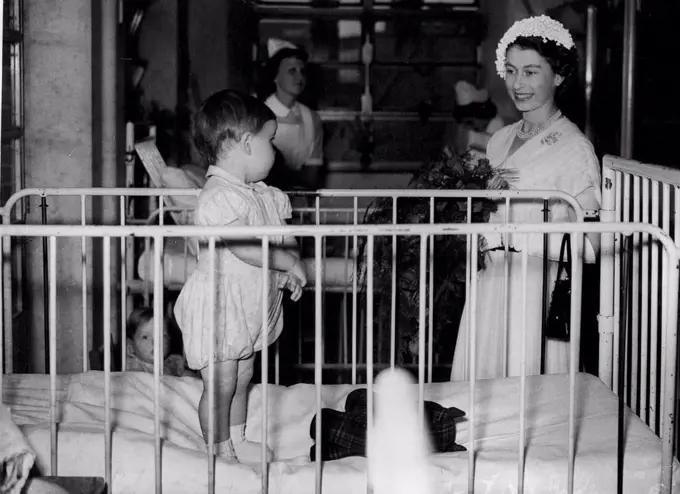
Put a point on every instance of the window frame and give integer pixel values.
(367, 13)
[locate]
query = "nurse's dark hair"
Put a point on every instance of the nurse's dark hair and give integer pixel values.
(223, 118)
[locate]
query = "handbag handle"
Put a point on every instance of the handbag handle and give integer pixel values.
(566, 243)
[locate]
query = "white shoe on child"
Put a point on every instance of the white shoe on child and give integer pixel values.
(250, 452)
(225, 450)
(247, 451)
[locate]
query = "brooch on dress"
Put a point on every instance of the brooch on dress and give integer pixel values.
(551, 138)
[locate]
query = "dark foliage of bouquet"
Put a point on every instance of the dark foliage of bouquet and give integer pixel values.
(449, 171)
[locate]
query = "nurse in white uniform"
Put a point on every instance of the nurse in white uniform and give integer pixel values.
(299, 136)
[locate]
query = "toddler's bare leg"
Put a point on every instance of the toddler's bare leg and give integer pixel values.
(240, 402)
(245, 450)
(225, 387)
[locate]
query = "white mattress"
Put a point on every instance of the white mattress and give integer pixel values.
(81, 444)
(178, 264)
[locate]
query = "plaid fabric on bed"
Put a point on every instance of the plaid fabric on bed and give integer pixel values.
(344, 433)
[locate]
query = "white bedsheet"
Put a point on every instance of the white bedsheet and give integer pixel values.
(81, 442)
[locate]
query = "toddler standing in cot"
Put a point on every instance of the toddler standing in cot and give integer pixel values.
(233, 132)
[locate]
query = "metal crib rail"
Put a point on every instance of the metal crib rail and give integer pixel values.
(55, 232)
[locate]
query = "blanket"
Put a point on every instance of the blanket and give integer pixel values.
(343, 434)
(16, 455)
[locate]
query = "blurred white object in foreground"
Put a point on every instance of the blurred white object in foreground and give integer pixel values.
(398, 447)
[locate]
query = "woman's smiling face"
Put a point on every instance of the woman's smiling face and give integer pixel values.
(529, 79)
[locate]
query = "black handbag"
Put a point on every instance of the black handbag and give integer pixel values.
(559, 313)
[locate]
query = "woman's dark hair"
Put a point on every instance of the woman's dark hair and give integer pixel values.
(563, 62)
(223, 118)
(270, 69)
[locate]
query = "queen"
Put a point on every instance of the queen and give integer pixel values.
(537, 58)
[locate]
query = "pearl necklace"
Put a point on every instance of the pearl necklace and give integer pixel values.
(537, 130)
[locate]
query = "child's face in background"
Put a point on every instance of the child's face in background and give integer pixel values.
(144, 343)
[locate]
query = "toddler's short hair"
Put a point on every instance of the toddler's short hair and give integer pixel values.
(223, 118)
(137, 318)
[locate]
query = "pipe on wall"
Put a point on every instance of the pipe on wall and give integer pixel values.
(107, 150)
(627, 107)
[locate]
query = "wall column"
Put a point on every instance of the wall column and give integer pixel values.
(58, 126)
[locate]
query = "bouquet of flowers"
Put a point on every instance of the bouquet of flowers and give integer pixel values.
(449, 171)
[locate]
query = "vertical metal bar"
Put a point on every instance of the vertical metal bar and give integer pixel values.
(83, 288)
(123, 288)
(318, 360)
(158, 357)
(577, 242)
(345, 326)
(523, 370)
(621, 344)
(665, 266)
(7, 298)
(52, 330)
(369, 336)
(627, 179)
(654, 316)
(506, 288)
(301, 332)
(107, 361)
(473, 361)
(319, 248)
(147, 295)
(628, 90)
(211, 364)
(618, 239)
(635, 288)
(607, 286)
(675, 235)
(468, 284)
(354, 297)
(670, 371)
(265, 360)
(644, 310)
(430, 302)
(393, 296)
(544, 285)
(46, 331)
(421, 329)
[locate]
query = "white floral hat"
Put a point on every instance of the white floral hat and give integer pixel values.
(540, 26)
